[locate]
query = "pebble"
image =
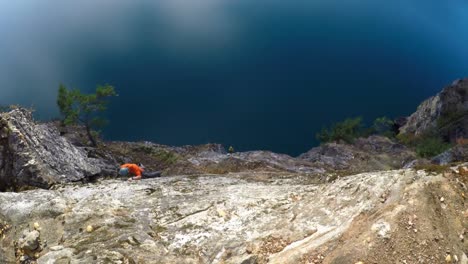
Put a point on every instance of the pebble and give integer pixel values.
(448, 259)
(89, 229)
(442, 199)
(37, 226)
(56, 248)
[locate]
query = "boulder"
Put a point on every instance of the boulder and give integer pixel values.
(33, 154)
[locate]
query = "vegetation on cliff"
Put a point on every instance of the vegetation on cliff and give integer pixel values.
(83, 109)
(352, 128)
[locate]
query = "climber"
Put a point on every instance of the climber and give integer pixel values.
(137, 171)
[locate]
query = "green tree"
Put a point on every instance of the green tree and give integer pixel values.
(384, 126)
(83, 109)
(231, 149)
(347, 130)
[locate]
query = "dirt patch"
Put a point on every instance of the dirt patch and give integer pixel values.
(425, 227)
(269, 246)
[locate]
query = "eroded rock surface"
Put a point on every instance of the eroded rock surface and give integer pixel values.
(458, 153)
(34, 154)
(365, 154)
(383, 217)
(451, 104)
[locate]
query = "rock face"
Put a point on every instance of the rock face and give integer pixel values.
(382, 217)
(366, 154)
(35, 155)
(369, 154)
(456, 154)
(209, 158)
(450, 104)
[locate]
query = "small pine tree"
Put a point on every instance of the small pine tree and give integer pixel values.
(231, 149)
(79, 108)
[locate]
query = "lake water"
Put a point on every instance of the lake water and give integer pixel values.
(252, 74)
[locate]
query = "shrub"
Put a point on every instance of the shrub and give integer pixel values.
(384, 126)
(347, 131)
(428, 147)
(407, 139)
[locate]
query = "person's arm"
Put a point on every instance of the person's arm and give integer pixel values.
(137, 175)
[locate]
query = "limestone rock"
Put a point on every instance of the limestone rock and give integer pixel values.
(456, 154)
(180, 219)
(365, 154)
(30, 241)
(36, 155)
(451, 102)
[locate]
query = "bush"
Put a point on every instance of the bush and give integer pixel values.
(385, 127)
(347, 130)
(427, 145)
(407, 139)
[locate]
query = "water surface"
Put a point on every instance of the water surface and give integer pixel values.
(252, 74)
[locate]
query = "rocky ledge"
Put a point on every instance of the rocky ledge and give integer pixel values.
(41, 155)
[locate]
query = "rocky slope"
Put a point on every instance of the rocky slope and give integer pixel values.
(401, 216)
(447, 112)
(43, 154)
(365, 154)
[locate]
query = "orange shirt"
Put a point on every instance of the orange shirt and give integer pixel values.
(133, 169)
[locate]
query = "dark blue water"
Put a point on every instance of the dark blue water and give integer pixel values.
(252, 74)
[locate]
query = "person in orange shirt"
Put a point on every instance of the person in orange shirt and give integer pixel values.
(136, 171)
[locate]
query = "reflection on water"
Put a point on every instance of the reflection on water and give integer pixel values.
(253, 74)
